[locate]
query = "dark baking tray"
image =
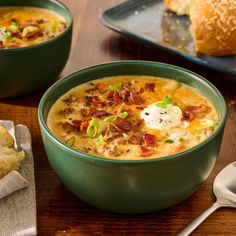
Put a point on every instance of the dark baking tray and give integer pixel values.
(150, 22)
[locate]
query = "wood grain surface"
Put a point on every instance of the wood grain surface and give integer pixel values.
(59, 212)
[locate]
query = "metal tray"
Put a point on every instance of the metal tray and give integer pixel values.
(149, 21)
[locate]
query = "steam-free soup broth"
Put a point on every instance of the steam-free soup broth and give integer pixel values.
(132, 117)
(26, 26)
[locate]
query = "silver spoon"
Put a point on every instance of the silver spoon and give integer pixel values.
(224, 188)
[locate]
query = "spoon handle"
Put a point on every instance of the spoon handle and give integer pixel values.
(197, 221)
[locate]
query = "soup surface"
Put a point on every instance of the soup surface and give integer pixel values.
(26, 26)
(132, 117)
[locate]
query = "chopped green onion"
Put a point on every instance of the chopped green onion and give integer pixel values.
(93, 128)
(71, 141)
(115, 87)
(54, 26)
(169, 141)
(162, 105)
(167, 100)
(100, 141)
(123, 115)
(110, 119)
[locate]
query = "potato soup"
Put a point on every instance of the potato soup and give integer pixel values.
(132, 117)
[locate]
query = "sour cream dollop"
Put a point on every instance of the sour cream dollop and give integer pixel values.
(161, 118)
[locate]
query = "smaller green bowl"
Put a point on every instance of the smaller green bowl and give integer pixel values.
(24, 70)
(132, 186)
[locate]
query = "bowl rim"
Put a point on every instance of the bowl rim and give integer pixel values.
(104, 160)
(44, 43)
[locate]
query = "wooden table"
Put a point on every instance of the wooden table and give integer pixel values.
(59, 212)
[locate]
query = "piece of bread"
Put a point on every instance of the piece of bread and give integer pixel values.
(213, 26)
(5, 138)
(10, 159)
(180, 7)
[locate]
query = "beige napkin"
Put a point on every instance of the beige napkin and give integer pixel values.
(18, 210)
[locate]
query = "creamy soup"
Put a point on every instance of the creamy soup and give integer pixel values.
(25, 26)
(132, 117)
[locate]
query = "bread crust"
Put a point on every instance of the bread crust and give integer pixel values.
(213, 26)
(180, 7)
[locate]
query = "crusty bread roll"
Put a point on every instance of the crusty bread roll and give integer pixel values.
(181, 7)
(213, 26)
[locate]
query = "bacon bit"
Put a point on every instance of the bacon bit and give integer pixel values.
(150, 86)
(72, 98)
(1, 45)
(149, 140)
(115, 96)
(144, 152)
(126, 96)
(84, 125)
(136, 123)
(141, 107)
(191, 112)
(123, 124)
(137, 138)
(101, 87)
(86, 112)
(135, 98)
(95, 101)
(127, 86)
(140, 91)
(100, 113)
(69, 128)
(77, 123)
(66, 111)
(80, 125)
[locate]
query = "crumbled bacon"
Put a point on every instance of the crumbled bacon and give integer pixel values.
(150, 87)
(140, 91)
(135, 98)
(99, 113)
(66, 111)
(149, 140)
(136, 138)
(1, 45)
(84, 125)
(86, 111)
(123, 124)
(95, 101)
(115, 96)
(190, 112)
(136, 123)
(69, 128)
(112, 133)
(127, 86)
(80, 125)
(144, 152)
(101, 87)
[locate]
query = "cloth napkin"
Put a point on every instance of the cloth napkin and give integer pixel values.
(17, 189)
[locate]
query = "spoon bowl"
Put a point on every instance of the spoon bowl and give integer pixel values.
(224, 188)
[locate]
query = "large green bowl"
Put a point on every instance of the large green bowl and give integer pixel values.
(24, 70)
(136, 186)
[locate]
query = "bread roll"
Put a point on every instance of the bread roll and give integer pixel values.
(213, 26)
(181, 7)
(10, 159)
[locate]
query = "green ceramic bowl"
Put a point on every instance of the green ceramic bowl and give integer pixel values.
(24, 70)
(136, 186)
